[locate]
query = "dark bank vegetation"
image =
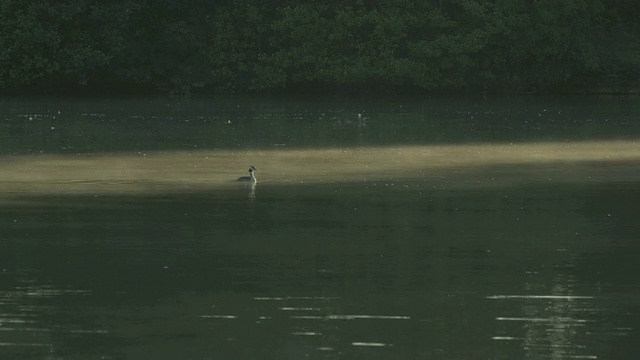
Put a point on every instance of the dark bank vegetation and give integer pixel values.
(243, 46)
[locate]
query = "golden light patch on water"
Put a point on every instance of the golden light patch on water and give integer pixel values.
(198, 170)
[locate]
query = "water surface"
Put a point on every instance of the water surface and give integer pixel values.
(423, 242)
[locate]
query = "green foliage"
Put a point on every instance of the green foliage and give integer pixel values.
(363, 45)
(45, 43)
(550, 42)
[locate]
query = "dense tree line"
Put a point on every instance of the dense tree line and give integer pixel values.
(237, 46)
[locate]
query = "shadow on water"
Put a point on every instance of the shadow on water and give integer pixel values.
(363, 270)
(150, 125)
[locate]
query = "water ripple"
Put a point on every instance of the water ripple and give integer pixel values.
(353, 317)
(372, 344)
(547, 297)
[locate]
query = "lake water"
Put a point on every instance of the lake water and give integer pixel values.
(421, 229)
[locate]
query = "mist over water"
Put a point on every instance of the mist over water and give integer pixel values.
(450, 230)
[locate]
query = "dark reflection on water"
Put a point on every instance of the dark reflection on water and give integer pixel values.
(357, 270)
(58, 126)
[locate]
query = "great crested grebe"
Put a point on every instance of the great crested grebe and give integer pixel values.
(251, 178)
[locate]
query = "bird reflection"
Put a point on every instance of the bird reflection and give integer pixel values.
(252, 192)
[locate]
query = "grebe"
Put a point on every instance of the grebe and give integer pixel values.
(251, 177)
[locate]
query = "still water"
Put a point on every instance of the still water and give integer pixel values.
(439, 229)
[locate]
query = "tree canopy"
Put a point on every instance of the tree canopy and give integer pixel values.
(241, 46)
